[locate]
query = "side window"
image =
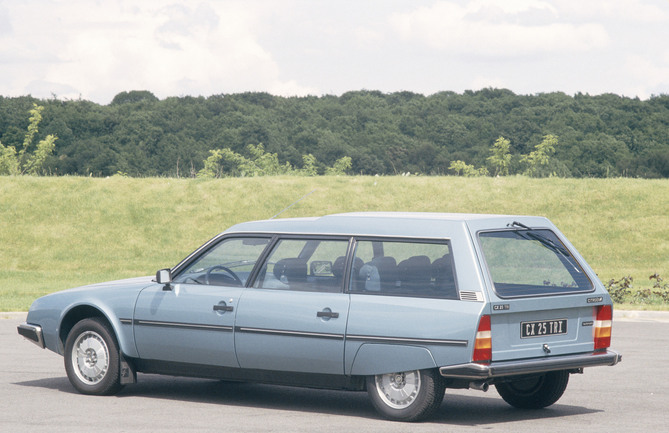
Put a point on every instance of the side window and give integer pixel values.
(305, 264)
(409, 268)
(228, 263)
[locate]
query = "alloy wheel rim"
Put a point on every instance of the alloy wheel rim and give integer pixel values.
(90, 358)
(398, 390)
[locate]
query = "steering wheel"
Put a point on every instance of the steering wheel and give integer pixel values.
(223, 268)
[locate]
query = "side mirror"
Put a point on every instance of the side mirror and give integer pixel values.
(164, 276)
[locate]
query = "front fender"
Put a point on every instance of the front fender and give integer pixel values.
(115, 316)
(374, 358)
(57, 313)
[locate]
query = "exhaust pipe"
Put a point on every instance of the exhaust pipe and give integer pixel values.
(479, 386)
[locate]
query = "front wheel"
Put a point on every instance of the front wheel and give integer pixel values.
(92, 358)
(534, 392)
(406, 396)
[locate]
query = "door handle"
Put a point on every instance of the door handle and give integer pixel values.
(328, 314)
(223, 307)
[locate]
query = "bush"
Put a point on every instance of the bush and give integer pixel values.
(225, 162)
(622, 291)
(29, 159)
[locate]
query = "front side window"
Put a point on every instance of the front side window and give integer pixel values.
(305, 264)
(531, 263)
(228, 263)
(412, 268)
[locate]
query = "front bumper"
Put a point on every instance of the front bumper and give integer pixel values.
(474, 371)
(32, 333)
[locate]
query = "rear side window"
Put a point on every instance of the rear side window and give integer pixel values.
(531, 263)
(411, 268)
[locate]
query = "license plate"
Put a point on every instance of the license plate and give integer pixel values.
(542, 328)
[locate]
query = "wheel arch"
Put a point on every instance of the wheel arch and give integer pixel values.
(86, 311)
(372, 358)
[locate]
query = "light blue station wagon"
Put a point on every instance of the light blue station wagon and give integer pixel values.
(403, 305)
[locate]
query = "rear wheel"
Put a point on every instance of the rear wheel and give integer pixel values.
(406, 396)
(534, 392)
(92, 358)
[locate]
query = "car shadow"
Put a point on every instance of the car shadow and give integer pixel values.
(61, 384)
(457, 409)
(247, 394)
(484, 409)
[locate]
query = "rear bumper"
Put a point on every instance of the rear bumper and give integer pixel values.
(32, 333)
(476, 371)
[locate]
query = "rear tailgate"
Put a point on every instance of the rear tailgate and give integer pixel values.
(544, 297)
(542, 327)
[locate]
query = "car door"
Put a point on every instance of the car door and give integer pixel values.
(294, 317)
(192, 319)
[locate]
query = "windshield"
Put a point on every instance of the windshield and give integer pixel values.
(531, 263)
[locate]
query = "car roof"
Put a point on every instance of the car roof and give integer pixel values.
(406, 224)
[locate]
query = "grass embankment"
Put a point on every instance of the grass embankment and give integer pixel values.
(63, 232)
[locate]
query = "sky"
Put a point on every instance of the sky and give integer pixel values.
(95, 49)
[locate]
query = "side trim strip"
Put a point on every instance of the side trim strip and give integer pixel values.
(178, 325)
(286, 333)
(304, 334)
(368, 338)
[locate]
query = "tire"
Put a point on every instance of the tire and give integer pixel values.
(406, 396)
(92, 358)
(534, 392)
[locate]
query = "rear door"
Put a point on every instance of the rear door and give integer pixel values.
(294, 317)
(544, 298)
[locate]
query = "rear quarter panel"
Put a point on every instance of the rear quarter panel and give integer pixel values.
(388, 334)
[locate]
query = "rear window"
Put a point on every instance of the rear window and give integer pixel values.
(531, 263)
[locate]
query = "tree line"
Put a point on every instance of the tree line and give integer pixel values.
(490, 131)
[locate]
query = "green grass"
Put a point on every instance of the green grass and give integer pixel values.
(63, 232)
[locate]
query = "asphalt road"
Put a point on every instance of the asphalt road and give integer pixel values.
(35, 396)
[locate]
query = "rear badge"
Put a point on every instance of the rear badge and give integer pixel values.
(595, 300)
(588, 323)
(501, 307)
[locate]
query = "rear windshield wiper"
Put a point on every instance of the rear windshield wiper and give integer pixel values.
(548, 243)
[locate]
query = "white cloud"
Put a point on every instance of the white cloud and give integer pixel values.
(497, 29)
(106, 47)
(646, 77)
(481, 81)
(95, 49)
(648, 11)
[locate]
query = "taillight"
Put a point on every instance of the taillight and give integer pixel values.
(483, 342)
(604, 316)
